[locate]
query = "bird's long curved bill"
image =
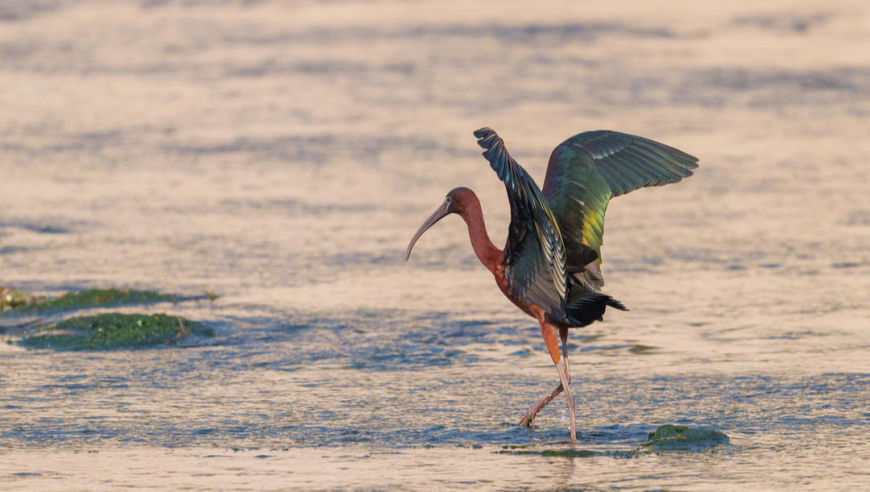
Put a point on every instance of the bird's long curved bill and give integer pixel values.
(435, 217)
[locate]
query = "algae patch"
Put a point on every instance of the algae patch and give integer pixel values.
(642, 349)
(665, 438)
(567, 453)
(115, 331)
(89, 299)
(547, 453)
(12, 299)
(680, 438)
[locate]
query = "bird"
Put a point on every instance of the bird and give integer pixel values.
(550, 267)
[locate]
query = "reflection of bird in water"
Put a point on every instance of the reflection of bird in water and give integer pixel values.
(550, 266)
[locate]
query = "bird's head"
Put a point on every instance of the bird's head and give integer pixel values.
(454, 203)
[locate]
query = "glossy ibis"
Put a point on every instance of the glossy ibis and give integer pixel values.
(550, 266)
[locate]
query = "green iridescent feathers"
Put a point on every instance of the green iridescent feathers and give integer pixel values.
(588, 169)
(553, 251)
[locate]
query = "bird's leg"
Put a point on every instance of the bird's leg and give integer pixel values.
(570, 399)
(566, 381)
(548, 331)
(529, 419)
(563, 334)
(549, 334)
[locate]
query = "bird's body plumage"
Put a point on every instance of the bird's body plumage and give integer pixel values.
(551, 263)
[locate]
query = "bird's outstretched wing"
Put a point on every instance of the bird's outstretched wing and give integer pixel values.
(534, 253)
(587, 170)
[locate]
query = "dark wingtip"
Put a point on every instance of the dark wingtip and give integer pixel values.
(483, 132)
(486, 137)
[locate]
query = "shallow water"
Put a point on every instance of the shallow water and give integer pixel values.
(283, 156)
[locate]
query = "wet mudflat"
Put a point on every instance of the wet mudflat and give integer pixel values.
(282, 156)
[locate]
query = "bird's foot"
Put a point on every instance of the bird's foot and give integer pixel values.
(528, 421)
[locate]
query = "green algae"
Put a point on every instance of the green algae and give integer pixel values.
(574, 453)
(12, 299)
(522, 450)
(210, 294)
(567, 453)
(90, 299)
(115, 331)
(665, 438)
(681, 438)
(555, 453)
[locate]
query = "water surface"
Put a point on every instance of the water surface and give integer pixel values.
(282, 155)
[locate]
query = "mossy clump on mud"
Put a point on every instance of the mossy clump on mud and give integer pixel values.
(680, 438)
(115, 331)
(550, 453)
(12, 299)
(665, 438)
(567, 453)
(89, 299)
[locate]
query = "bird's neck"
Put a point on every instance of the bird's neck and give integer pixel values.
(486, 252)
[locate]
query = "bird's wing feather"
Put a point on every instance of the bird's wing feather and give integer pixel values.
(534, 253)
(587, 170)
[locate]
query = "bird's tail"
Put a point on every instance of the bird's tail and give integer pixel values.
(590, 307)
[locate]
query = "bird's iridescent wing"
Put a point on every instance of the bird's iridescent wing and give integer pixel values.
(534, 253)
(587, 170)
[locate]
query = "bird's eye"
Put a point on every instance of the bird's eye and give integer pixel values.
(447, 201)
